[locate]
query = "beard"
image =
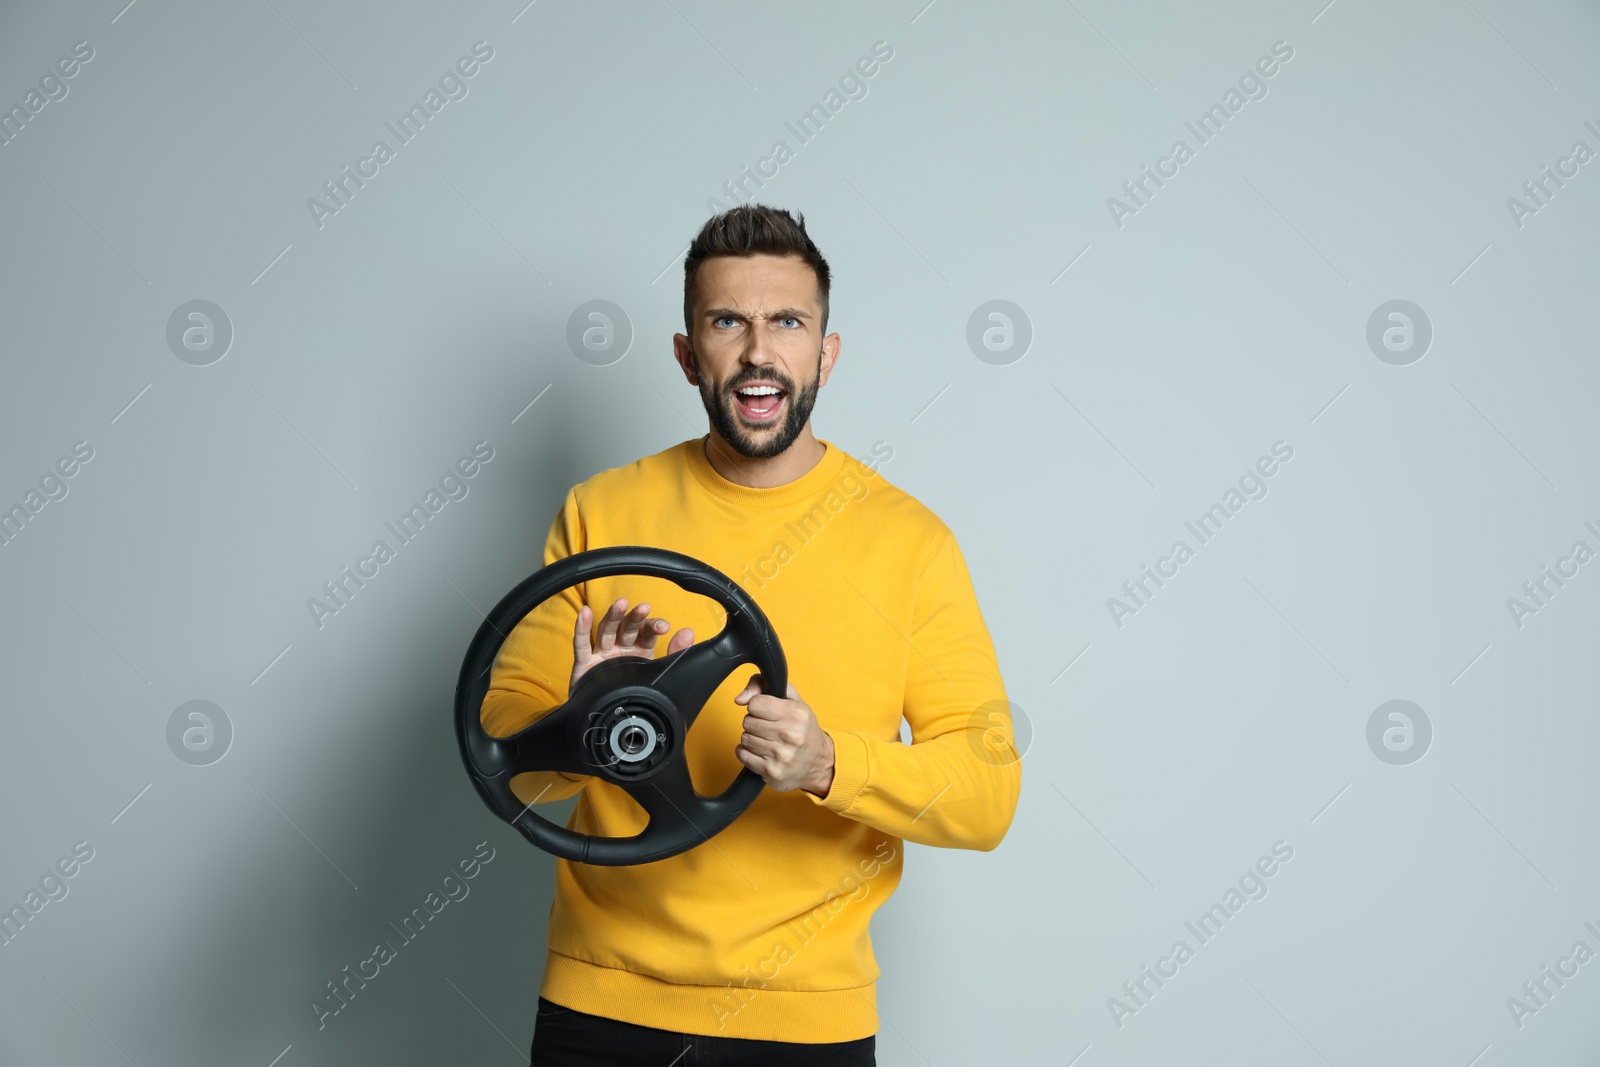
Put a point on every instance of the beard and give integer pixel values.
(725, 417)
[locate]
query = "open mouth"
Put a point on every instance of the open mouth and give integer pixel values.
(759, 403)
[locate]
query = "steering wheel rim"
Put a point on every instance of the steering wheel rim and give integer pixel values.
(626, 720)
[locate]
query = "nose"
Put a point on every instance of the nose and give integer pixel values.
(758, 352)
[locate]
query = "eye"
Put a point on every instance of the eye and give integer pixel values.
(791, 318)
(725, 318)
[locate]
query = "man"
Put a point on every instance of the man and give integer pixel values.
(753, 947)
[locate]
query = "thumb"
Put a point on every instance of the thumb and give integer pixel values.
(751, 688)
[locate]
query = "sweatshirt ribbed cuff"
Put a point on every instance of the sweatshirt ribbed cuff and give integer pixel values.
(849, 771)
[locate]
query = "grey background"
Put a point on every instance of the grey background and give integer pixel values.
(1167, 754)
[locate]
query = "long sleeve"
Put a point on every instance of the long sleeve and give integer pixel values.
(530, 675)
(956, 785)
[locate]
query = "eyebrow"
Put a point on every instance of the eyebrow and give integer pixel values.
(780, 313)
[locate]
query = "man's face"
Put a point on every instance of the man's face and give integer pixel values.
(757, 322)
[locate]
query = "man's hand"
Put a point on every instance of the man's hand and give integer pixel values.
(783, 741)
(621, 633)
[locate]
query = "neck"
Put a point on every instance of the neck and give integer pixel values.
(768, 472)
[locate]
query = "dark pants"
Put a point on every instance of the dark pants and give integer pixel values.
(563, 1037)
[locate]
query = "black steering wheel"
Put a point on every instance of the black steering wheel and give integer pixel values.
(626, 719)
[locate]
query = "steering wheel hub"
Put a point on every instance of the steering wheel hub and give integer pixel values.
(630, 738)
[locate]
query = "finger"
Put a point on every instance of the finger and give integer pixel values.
(629, 631)
(653, 628)
(580, 635)
(755, 726)
(608, 625)
(751, 760)
(765, 706)
(681, 640)
(758, 745)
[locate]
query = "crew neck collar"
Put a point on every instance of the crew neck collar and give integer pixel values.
(807, 485)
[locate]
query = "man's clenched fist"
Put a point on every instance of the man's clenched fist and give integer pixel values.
(783, 741)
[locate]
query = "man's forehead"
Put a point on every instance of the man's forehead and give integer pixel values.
(757, 283)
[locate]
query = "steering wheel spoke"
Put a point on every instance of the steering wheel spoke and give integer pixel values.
(669, 798)
(542, 745)
(688, 677)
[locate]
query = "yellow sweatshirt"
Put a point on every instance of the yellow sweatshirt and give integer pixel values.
(762, 931)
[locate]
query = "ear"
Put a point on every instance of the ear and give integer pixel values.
(683, 354)
(830, 355)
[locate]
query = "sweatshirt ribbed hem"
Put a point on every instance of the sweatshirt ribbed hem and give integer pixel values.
(730, 1010)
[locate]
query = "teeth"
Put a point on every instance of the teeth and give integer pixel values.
(759, 390)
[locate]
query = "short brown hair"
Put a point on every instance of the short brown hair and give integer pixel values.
(749, 230)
